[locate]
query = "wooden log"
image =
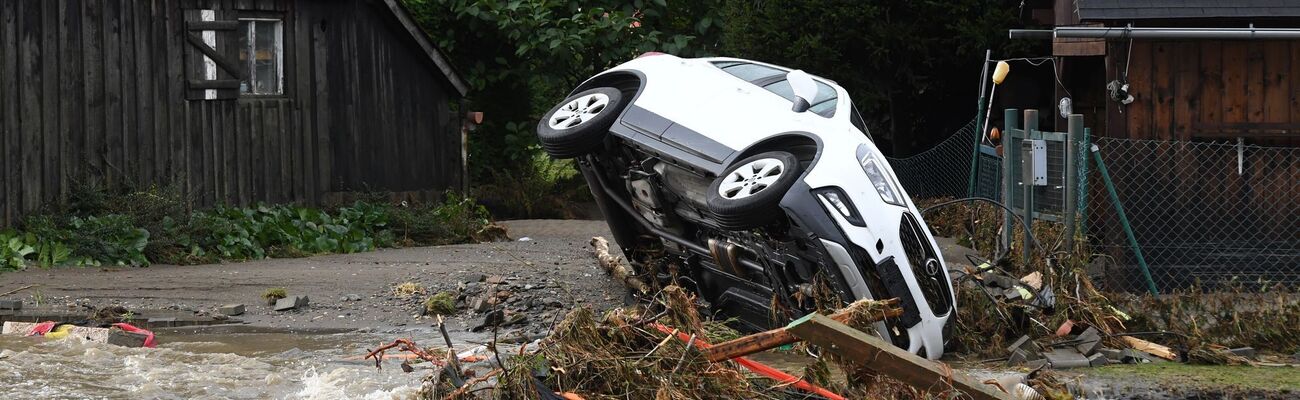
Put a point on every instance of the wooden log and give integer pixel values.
(763, 341)
(1151, 348)
(883, 358)
(615, 266)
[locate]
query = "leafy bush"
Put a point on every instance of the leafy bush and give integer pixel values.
(138, 228)
(456, 220)
(14, 251)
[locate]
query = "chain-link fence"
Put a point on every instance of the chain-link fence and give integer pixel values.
(1208, 214)
(944, 170)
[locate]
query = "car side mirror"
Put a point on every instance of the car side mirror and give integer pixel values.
(805, 89)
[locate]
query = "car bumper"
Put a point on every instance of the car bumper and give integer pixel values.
(870, 264)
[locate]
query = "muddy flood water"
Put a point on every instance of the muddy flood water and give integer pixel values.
(204, 366)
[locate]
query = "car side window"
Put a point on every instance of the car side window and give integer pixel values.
(751, 72)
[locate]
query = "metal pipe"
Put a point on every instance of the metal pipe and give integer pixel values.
(689, 245)
(1128, 32)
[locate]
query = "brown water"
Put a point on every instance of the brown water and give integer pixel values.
(204, 366)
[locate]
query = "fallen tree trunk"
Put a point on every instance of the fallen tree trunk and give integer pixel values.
(615, 266)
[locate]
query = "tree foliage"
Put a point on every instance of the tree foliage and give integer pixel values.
(911, 67)
(521, 57)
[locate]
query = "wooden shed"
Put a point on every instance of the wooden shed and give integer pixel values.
(233, 101)
(1190, 89)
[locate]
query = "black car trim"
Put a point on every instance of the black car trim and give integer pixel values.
(895, 283)
(646, 121)
(690, 141)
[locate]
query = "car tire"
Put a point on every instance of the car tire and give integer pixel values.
(577, 126)
(748, 194)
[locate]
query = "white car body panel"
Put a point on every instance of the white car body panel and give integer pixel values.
(735, 113)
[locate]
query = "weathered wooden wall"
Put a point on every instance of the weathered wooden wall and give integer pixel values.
(1207, 90)
(94, 90)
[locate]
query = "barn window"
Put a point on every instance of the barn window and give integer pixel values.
(261, 54)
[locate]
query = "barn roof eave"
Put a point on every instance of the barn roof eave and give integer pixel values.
(404, 17)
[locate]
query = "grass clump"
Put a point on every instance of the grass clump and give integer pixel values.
(273, 294)
(408, 289)
(442, 303)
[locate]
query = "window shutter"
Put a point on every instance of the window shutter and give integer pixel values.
(212, 68)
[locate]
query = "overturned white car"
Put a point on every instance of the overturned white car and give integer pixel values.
(759, 185)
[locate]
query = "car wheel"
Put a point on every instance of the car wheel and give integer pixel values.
(748, 194)
(578, 125)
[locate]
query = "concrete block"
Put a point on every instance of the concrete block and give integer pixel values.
(1097, 360)
(232, 309)
(11, 304)
(290, 303)
(1088, 342)
(1066, 358)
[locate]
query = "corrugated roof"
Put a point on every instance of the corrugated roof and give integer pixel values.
(1097, 10)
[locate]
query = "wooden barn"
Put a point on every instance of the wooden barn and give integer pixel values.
(1195, 106)
(233, 101)
(1194, 69)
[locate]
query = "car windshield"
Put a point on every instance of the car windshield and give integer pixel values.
(773, 80)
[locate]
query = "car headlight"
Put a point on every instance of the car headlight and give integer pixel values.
(838, 201)
(874, 168)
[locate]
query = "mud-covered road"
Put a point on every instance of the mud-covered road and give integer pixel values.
(547, 268)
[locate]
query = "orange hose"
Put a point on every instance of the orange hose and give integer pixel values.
(760, 368)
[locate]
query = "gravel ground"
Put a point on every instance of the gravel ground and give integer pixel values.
(546, 269)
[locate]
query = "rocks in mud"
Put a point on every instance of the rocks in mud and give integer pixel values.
(11, 305)
(349, 297)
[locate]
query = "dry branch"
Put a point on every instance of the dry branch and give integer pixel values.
(614, 265)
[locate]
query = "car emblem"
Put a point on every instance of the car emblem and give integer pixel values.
(932, 267)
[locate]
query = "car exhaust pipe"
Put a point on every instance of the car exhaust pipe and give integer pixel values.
(726, 255)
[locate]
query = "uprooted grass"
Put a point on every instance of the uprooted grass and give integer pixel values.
(619, 355)
(1267, 319)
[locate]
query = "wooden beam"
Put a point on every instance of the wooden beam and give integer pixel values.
(212, 25)
(230, 67)
(763, 341)
(1151, 348)
(196, 84)
(883, 358)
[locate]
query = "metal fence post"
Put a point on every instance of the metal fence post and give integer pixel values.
(1010, 120)
(1123, 220)
(1027, 179)
(1074, 133)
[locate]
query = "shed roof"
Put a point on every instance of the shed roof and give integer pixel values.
(408, 23)
(1097, 10)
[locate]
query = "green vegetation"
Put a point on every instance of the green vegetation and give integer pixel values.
(273, 294)
(1204, 377)
(443, 303)
(137, 228)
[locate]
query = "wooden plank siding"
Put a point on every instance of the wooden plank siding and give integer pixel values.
(1208, 90)
(93, 91)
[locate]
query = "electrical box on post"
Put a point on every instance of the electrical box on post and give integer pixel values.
(1039, 153)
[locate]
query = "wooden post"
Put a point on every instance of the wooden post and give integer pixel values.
(762, 341)
(884, 358)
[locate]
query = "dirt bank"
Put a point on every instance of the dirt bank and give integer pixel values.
(547, 260)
